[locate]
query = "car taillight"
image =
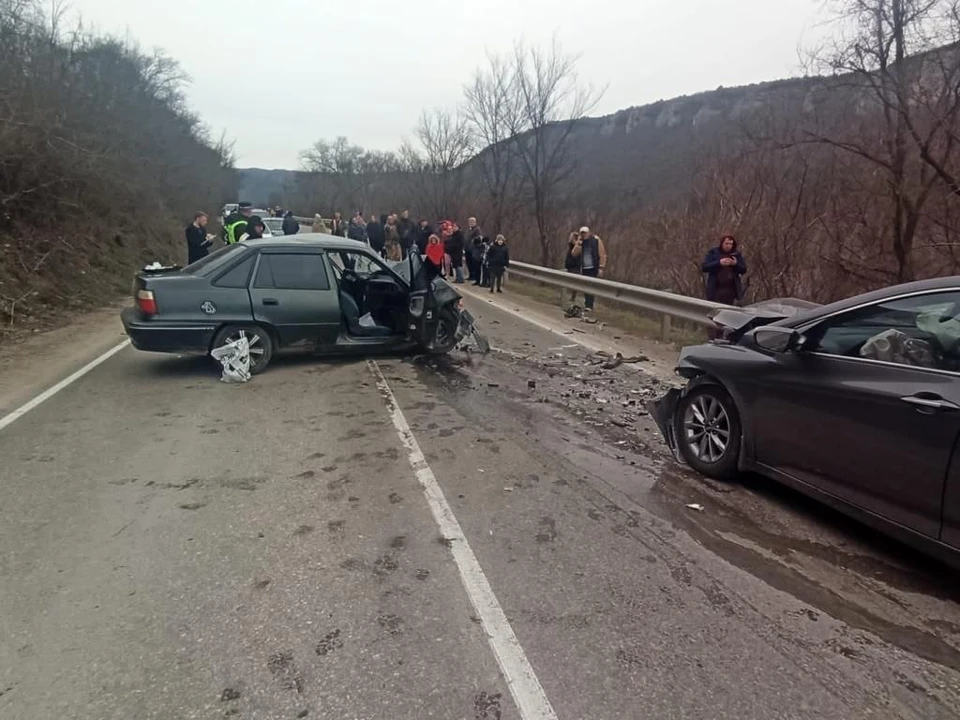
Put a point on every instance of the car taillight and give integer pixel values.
(460, 304)
(146, 302)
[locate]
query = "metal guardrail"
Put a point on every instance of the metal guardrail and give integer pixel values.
(667, 305)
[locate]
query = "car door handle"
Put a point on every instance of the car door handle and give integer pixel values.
(930, 402)
(271, 301)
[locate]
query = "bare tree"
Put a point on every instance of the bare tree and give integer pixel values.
(492, 111)
(351, 170)
(444, 144)
(550, 102)
(904, 106)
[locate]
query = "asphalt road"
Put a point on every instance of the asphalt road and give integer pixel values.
(176, 547)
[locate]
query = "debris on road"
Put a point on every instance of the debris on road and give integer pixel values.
(235, 359)
(696, 506)
(532, 384)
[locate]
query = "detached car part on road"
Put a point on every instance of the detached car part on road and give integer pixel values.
(856, 403)
(315, 293)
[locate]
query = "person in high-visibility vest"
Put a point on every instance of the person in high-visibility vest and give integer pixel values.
(236, 223)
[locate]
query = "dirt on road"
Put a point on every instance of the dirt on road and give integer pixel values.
(178, 546)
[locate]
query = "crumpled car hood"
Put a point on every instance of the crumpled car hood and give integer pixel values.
(736, 321)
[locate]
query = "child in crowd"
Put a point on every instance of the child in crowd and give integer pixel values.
(498, 260)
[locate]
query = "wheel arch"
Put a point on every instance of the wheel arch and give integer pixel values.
(266, 327)
(698, 378)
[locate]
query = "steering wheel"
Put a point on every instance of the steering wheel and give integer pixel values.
(350, 275)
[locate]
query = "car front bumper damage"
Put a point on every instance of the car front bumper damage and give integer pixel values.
(467, 327)
(663, 411)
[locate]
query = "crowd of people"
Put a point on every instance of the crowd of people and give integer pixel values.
(463, 255)
(460, 255)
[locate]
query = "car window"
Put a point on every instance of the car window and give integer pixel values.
(218, 258)
(293, 271)
(363, 264)
(920, 331)
(238, 276)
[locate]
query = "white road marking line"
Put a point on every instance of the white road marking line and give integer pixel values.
(49, 393)
(524, 686)
(587, 341)
(584, 340)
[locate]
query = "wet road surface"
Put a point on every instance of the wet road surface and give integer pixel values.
(175, 547)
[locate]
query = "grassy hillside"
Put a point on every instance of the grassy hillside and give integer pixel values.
(101, 167)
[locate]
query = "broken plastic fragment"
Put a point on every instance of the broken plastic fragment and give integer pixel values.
(696, 506)
(234, 356)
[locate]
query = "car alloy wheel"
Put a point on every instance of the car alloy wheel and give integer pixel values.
(706, 428)
(254, 345)
(259, 343)
(445, 337)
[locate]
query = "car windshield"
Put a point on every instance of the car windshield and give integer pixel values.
(215, 259)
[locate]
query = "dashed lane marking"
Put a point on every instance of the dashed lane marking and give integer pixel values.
(527, 692)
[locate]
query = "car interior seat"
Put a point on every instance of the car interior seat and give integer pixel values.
(351, 313)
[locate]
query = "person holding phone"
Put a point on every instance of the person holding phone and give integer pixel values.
(724, 265)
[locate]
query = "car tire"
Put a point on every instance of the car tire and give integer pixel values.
(446, 338)
(257, 337)
(708, 431)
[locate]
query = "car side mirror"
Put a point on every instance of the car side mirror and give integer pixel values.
(777, 339)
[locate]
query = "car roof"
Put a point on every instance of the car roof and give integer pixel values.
(891, 291)
(322, 240)
(940, 283)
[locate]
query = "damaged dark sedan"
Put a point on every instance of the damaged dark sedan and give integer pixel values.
(315, 293)
(856, 403)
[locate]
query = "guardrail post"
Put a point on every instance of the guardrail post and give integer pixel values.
(665, 326)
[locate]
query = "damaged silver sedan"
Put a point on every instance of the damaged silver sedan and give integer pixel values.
(856, 403)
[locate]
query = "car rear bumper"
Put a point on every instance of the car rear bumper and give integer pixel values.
(166, 336)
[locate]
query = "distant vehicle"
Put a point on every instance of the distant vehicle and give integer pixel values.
(274, 225)
(856, 403)
(318, 293)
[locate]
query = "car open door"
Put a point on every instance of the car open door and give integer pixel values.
(422, 304)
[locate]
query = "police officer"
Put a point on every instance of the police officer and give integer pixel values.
(236, 223)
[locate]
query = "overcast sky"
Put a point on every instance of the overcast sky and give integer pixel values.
(279, 74)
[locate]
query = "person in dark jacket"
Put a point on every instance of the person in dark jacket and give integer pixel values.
(724, 265)
(474, 250)
(423, 235)
(290, 225)
(453, 243)
(498, 260)
(408, 232)
(572, 263)
(198, 242)
(357, 229)
(254, 229)
(375, 233)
